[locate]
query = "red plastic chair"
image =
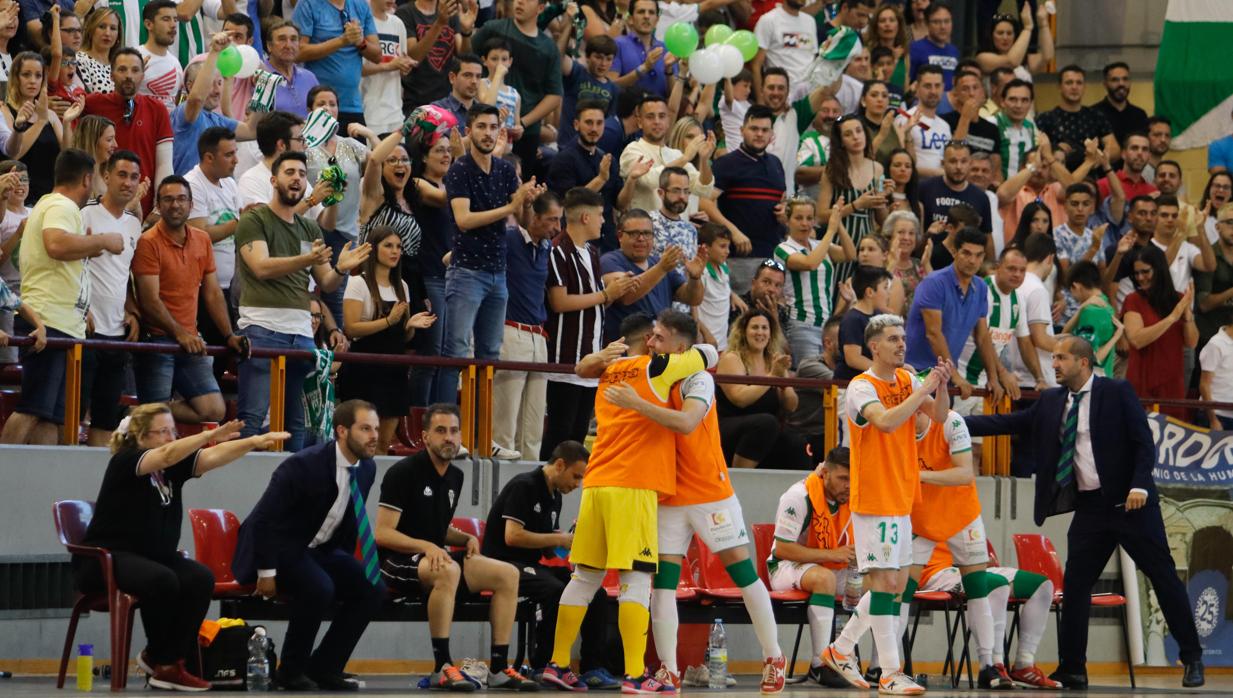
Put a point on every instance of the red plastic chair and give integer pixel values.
(72, 517)
(214, 538)
(1037, 554)
(470, 525)
(713, 580)
(764, 541)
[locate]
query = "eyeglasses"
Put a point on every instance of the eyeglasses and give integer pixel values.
(772, 264)
(638, 233)
(677, 191)
(70, 30)
(317, 316)
(1227, 221)
(398, 161)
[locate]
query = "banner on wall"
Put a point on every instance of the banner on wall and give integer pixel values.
(1194, 474)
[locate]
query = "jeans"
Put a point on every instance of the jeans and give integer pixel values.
(162, 376)
(425, 380)
(254, 389)
(334, 299)
(805, 342)
(477, 304)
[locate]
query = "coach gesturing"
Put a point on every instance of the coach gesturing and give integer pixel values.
(1096, 458)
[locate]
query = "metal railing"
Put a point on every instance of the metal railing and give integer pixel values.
(476, 383)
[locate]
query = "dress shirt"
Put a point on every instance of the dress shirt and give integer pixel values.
(1085, 459)
(335, 516)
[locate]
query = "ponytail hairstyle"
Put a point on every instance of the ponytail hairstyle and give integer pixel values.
(136, 425)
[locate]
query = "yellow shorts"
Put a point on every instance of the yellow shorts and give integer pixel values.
(616, 529)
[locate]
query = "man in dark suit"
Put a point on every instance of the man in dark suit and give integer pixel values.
(1095, 458)
(300, 541)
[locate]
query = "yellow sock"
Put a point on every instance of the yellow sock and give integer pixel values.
(569, 622)
(633, 620)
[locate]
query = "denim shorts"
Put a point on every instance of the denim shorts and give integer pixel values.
(160, 376)
(42, 377)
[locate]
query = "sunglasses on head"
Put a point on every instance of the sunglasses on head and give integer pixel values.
(773, 264)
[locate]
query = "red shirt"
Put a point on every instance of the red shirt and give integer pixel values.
(1133, 188)
(147, 126)
(1156, 369)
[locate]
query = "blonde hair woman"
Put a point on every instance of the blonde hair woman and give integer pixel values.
(137, 517)
(98, 47)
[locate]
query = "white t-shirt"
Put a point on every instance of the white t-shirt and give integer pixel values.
(1217, 358)
(1037, 309)
(929, 136)
(8, 228)
(109, 273)
(163, 78)
(849, 94)
(254, 186)
(1182, 268)
(672, 12)
(732, 117)
(716, 302)
(382, 92)
(357, 290)
(216, 203)
(785, 141)
(790, 42)
(998, 227)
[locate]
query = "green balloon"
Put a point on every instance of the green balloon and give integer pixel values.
(681, 39)
(746, 42)
(229, 61)
(718, 34)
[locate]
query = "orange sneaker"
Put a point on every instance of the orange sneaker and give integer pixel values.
(847, 667)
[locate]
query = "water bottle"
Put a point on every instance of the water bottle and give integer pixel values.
(85, 667)
(258, 674)
(717, 656)
(853, 588)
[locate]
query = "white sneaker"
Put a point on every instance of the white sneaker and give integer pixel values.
(899, 684)
(475, 669)
(501, 453)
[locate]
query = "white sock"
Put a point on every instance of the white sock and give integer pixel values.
(980, 621)
(905, 611)
(664, 625)
(855, 628)
(1032, 620)
(997, 607)
(821, 620)
(886, 642)
(762, 614)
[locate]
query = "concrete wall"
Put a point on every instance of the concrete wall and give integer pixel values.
(34, 477)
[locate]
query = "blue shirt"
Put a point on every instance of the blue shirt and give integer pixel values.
(575, 167)
(482, 248)
(615, 139)
(319, 21)
(960, 313)
(925, 52)
(34, 9)
(526, 277)
(631, 54)
(451, 104)
(657, 299)
(580, 85)
(292, 95)
(186, 133)
(752, 188)
(1220, 153)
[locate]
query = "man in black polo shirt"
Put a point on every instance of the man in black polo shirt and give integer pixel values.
(584, 164)
(418, 498)
(523, 527)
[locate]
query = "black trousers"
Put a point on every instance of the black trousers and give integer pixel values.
(174, 591)
(315, 582)
(569, 408)
(542, 586)
(1095, 532)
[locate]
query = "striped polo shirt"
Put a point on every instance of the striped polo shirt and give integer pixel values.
(752, 187)
(809, 292)
(574, 334)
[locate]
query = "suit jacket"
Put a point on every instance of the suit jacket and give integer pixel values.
(292, 509)
(1122, 443)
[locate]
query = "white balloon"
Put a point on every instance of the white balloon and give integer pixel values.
(706, 65)
(251, 61)
(731, 58)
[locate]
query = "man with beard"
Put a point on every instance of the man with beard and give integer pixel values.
(141, 122)
(419, 495)
(465, 72)
(1169, 182)
(216, 205)
(670, 228)
(300, 542)
(938, 194)
(750, 185)
(198, 111)
(788, 39)
(583, 163)
(792, 118)
(928, 131)
(1134, 158)
(1070, 123)
(278, 250)
(766, 292)
(1159, 141)
(1124, 117)
(1142, 217)
(163, 74)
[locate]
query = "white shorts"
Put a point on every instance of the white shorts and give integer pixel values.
(968, 406)
(787, 576)
(969, 546)
(720, 525)
(950, 580)
(882, 542)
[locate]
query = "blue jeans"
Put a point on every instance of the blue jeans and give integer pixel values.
(254, 390)
(425, 385)
(477, 304)
(334, 299)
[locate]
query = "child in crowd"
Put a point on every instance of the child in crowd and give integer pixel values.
(717, 295)
(1075, 241)
(14, 187)
(883, 61)
(588, 82)
(61, 64)
(493, 90)
(733, 106)
(811, 272)
(1095, 320)
(874, 251)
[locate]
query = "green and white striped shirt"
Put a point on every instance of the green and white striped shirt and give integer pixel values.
(1016, 142)
(191, 40)
(1006, 323)
(809, 291)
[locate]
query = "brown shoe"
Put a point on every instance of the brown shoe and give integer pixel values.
(174, 677)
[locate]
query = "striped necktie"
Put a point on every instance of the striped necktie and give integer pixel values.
(1070, 429)
(368, 544)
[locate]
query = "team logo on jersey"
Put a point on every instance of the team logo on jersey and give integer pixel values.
(427, 491)
(790, 511)
(719, 518)
(646, 552)
(536, 508)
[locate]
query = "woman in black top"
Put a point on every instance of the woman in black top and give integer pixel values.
(137, 517)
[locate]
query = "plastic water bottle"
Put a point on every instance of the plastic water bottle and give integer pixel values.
(258, 674)
(717, 656)
(85, 667)
(853, 588)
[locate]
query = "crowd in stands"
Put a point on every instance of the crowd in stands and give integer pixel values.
(514, 180)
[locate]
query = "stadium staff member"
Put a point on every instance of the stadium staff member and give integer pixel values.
(1103, 472)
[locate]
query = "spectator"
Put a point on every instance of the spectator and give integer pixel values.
(175, 275)
(518, 396)
(64, 85)
(1070, 123)
(956, 294)
(905, 186)
(1043, 181)
(856, 180)
(871, 287)
(1040, 251)
(378, 320)
(37, 134)
(981, 175)
(198, 112)
(1118, 275)
(808, 419)
(278, 132)
(888, 29)
(540, 89)
(603, 17)
(644, 159)
(640, 57)
(788, 39)
(101, 39)
(1123, 117)
(853, 14)
(1095, 320)
(765, 292)
(879, 119)
(381, 85)
(582, 163)
(902, 232)
(1159, 142)
(749, 425)
(928, 132)
(659, 282)
(1216, 382)
(939, 194)
(278, 250)
(1159, 326)
(1135, 156)
(1075, 241)
(419, 495)
(139, 124)
(137, 517)
(589, 83)
(882, 67)
(686, 129)
(464, 73)
(1189, 257)
(240, 28)
(11, 305)
(935, 48)
(495, 91)
(965, 123)
(577, 298)
(163, 75)
(216, 204)
(14, 185)
(54, 283)
(9, 26)
(853, 80)
(671, 228)
(33, 15)
(1009, 44)
(814, 148)
(793, 117)
(942, 246)
(436, 30)
(1169, 183)
(717, 297)
(874, 251)
(811, 265)
(1214, 289)
(483, 191)
(113, 317)
(386, 202)
(283, 41)
(1217, 193)
(333, 43)
(1016, 132)
(430, 161)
